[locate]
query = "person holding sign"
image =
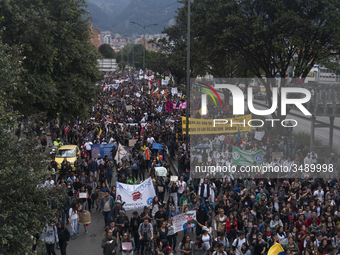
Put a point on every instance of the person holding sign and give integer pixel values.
(127, 245)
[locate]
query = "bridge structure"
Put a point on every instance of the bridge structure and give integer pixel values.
(325, 102)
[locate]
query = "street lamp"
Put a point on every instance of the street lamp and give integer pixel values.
(144, 39)
(188, 80)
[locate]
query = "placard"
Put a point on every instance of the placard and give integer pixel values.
(157, 146)
(129, 107)
(161, 171)
(82, 195)
(132, 142)
(173, 178)
(160, 188)
(184, 221)
(126, 246)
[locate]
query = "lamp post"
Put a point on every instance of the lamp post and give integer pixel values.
(127, 40)
(144, 39)
(188, 81)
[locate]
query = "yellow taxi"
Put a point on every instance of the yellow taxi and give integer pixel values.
(70, 152)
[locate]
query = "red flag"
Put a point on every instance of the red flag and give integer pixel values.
(227, 107)
(159, 81)
(268, 139)
(228, 140)
(103, 86)
(148, 75)
(151, 82)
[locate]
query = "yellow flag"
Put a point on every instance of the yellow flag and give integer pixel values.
(276, 249)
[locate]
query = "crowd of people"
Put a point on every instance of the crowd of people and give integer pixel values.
(235, 215)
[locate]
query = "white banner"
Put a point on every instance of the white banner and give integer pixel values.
(136, 196)
(184, 221)
(121, 153)
(165, 82)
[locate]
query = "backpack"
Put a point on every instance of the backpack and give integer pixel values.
(134, 166)
(235, 247)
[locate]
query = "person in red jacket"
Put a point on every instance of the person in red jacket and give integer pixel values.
(314, 217)
(231, 226)
(303, 244)
(300, 222)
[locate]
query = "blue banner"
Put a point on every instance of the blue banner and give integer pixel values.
(157, 146)
(102, 149)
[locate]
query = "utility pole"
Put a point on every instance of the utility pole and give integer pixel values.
(144, 39)
(188, 81)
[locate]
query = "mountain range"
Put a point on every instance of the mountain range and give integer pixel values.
(115, 15)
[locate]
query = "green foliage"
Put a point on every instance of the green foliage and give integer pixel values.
(24, 208)
(59, 61)
(106, 50)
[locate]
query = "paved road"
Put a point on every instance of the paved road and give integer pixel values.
(90, 243)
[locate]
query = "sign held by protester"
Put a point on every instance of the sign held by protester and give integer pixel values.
(161, 171)
(185, 221)
(136, 196)
(102, 149)
(157, 146)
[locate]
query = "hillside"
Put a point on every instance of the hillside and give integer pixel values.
(115, 15)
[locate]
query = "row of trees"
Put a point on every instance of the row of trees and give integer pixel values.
(48, 66)
(250, 38)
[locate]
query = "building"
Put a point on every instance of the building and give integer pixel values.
(95, 37)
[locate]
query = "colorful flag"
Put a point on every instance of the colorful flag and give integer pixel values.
(276, 249)
(147, 154)
(121, 153)
(165, 94)
(140, 71)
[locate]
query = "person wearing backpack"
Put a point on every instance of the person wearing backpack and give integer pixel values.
(259, 247)
(237, 244)
(50, 237)
(220, 250)
(64, 237)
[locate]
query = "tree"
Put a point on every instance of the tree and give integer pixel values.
(59, 62)
(106, 50)
(268, 37)
(25, 209)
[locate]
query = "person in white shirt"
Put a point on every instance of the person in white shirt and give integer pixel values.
(237, 244)
(49, 183)
(181, 187)
(319, 193)
(308, 160)
(314, 157)
(88, 146)
(150, 139)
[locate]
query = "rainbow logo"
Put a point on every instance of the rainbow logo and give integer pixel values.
(209, 93)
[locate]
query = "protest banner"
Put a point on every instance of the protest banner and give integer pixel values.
(206, 126)
(126, 246)
(102, 149)
(165, 82)
(136, 196)
(129, 107)
(161, 171)
(247, 158)
(184, 221)
(82, 195)
(157, 146)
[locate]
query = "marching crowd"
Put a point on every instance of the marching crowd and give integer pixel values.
(238, 216)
